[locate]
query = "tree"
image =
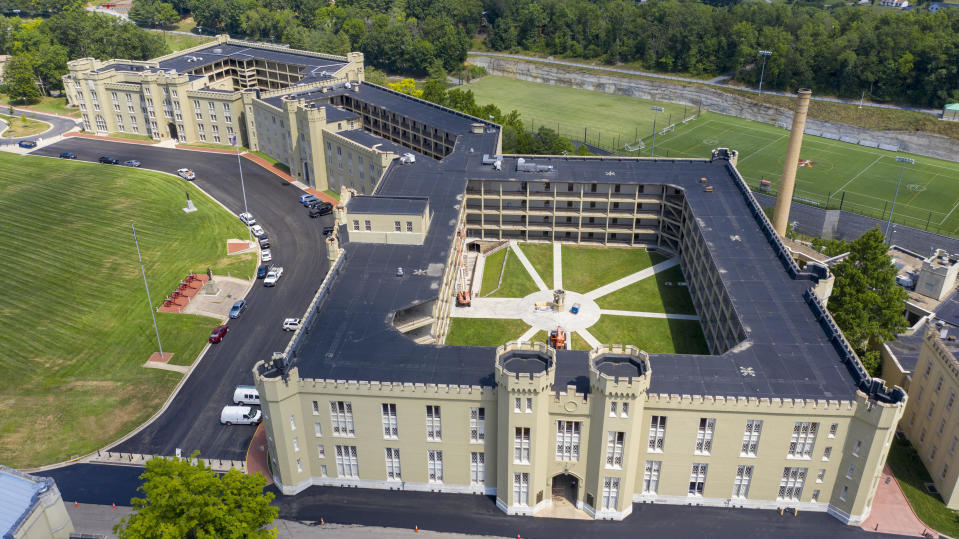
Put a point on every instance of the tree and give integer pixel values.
(866, 302)
(19, 82)
(183, 499)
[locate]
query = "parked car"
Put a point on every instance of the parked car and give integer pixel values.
(271, 278)
(246, 395)
(107, 160)
(240, 415)
(307, 199)
(247, 219)
(186, 174)
(131, 163)
(291, 324)
(68, 155)
(266, 255)
(27, 144)
(328, 230)
(238, 308)
(319, 203)
(262, 271)
(257, 230)
(218, 333)
(321, 210)
(264, 242)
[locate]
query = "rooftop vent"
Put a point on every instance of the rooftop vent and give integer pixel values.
(522, 165)
(217, 51)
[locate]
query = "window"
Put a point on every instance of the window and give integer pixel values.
(318, 429)
(316, 408)
(320, 452)
(229, 131)
(952, 446)
(842, 495)
(612, 409)
(199, 116)
(212, 107)
(292, 423)
(133, 125)
(101, 123)
(827, 453)
(390, 427)
(409, 226)
(346, 461)
(434, 431)
(821, 475)
(852, 470)
(754, 428)
(657, 433)
(174, 94)
(477, 468)
(952, 399)
(697, 479)
(919, 394)
(803, 439)
(744, 475)
(614, 449)
(932, 407)
(201, 132)
(567, 440)
(651, 476)
(434, 465)
(356, 224)
(477, 425)
(922, 435)
(529, 405)
(518, 405)
(521, 445)
(945, 470)
(196, 104)
(216, 133)
(520, 489)
(932, 454)
(322, 469)
(855, 450)
(939, 385)
(833, 429)
(393, 464)
(296, 444)
(704, 436)
(397, 226)
(368, 225)
(341, 415)
(120, 123)
(227, 119)
(790, 486)
(610, 493)
(299, 465)
(928, 370)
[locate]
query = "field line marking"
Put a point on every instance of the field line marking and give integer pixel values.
(529, 267)
(954, 206)
(763, 148)
(861, 172)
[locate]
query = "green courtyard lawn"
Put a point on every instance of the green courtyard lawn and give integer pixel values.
(912, 476)
(652, 295)
(53, 105)
(588, 268)
(484, 331)
(540, 255)
(18, 126)
(654, 335)
(517, 282)
(76, 328)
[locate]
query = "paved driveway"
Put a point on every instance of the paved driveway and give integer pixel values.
(60, 125)
(192, 420)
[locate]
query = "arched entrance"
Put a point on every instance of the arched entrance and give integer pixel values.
(565, 489)
(173, 133)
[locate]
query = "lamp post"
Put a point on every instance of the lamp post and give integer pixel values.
(236, 145)
(656, 110)
(905, 161)
(765, 54)
(147, 287)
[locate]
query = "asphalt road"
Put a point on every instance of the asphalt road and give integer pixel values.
(60, 125)
(191, 422)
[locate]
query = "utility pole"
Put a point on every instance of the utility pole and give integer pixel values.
(656, 110)
(236, 145)
(905, 161)
(149, 301)
(765, 54)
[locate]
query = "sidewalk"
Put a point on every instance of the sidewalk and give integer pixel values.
(269, 166)
(891, 512)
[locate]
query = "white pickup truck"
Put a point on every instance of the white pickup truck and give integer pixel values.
(271, 278)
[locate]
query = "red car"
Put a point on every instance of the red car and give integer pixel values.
(218, 333)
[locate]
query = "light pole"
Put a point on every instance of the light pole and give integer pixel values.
(149, 301)
(236, 145)
(905, 161)
(656, 110)
(764, 54)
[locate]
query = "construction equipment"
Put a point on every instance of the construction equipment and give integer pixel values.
(557, 338)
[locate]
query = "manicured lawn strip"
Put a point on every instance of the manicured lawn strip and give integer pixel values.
(484, 331)
(178, 42)
(131, 136)
(912, 475)
(491, 271)
(276, 164)
(588, 268)
(540, 255)
(654, 335)
(651, 295)
(517, 282)
(22, 127)
(540, 336)
(53, 105)
(332, 194)
(578, 343)
(77, 328)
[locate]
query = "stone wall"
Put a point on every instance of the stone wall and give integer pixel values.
(712, 100)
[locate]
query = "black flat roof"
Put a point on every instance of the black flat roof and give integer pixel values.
(411, 107)
(788, 351)
(313, 66)
(387, 205)
(365, 138)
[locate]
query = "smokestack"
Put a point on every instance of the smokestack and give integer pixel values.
(785, 197)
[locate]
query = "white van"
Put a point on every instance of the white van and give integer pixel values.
(246, 395)
(240, 415)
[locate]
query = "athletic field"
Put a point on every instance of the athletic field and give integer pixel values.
(861, 179)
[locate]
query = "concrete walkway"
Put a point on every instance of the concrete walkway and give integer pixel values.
(493, 308)
(649, 315)
(529, 267)
(526, 337)
(557, 265)
(630, 279)
(588, 337)
(891, 512)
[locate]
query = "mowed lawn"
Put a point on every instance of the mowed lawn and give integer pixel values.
(484, 331)
(654, 335)
(588, 268)
(540, 256)
(76, 326)
(517, 282)
(604, 117)
(652, 295)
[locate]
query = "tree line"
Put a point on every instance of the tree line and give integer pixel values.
(40, 48)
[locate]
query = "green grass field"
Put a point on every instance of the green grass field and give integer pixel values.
(652, 295)
(54, 105)
(861, 179)
(517, 283)
(654, 335)
(540, 255)
(604, 117)
(588, 268)
(77, 328)
(178, 42)
(484, 331)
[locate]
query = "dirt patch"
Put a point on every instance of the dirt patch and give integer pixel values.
(157, 358)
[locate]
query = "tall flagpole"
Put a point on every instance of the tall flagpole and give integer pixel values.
(143, 271)
(239, 165)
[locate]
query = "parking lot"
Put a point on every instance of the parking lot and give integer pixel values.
(191, 421)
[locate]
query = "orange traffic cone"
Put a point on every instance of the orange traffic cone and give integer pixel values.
(76, 504)
(114, 505)
(416, 529)
(322, 522)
